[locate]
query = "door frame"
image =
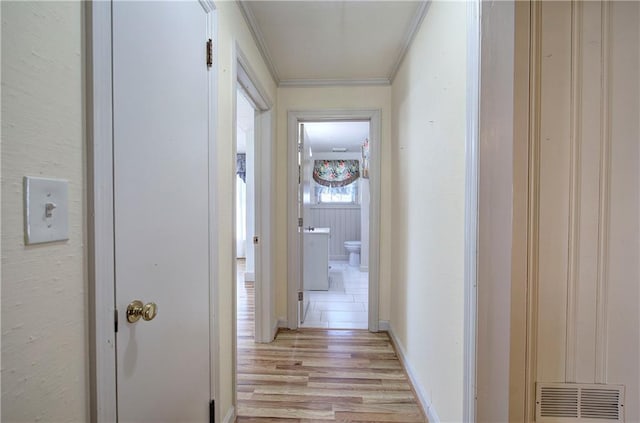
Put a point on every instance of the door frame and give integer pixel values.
(293, 245)
(246, 79)
(100, 213)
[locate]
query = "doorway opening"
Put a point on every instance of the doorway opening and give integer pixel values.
(245, 207)
(331, 144)
(335, 193)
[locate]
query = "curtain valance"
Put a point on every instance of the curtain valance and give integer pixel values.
(336, 173)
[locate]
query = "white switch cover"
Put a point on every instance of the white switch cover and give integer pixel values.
(46, 210)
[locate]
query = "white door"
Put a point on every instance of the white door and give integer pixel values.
(161, 194)
(303, 304)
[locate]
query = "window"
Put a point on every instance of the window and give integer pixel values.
(347, 194)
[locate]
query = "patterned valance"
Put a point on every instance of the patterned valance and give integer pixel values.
(336, 173)
(241, 166)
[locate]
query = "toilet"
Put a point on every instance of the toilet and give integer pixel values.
(353, 247)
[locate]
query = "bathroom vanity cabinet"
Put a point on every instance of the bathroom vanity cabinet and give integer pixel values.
(316, 259)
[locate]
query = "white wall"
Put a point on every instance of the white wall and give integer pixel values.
(317, 98)
(232, 29)
(428, 186)
(44, 288)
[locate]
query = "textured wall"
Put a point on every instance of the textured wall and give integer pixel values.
(428, 197)
(44, 331)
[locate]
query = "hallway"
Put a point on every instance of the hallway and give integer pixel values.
(319, 375)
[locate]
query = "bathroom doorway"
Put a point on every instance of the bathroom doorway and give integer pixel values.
(334, 227)
(335, 189)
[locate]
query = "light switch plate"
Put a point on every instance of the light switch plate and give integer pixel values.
(46, 210)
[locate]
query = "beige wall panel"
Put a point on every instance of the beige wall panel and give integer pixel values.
(588, 115)
(588, 314)
(622, 279)
(554, 188)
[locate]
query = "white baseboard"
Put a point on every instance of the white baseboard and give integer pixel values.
(231, 416)
(250, 277)
(274, 328)
(383, 325)
(432, 416)
(283, 323)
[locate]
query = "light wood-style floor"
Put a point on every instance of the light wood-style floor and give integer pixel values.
(317, 375)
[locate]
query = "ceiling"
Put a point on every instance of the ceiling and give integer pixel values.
(333, 42)
(323, 136)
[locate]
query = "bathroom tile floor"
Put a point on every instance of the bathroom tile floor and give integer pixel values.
(345, 305)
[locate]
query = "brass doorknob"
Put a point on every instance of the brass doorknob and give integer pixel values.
(136, 310)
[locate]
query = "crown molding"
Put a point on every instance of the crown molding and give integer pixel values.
(254, 28)
(409, 36)
(333, 82)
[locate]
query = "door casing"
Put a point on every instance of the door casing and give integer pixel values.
(294, 247)
(100, 216)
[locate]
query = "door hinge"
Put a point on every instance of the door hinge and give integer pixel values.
(299, 222)
(209, 53)
(299, 174)
(212, 411)
(300, 296)
(115, 320)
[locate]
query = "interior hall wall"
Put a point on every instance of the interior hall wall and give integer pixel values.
(429, 114)
(45, 356)
(232, 30)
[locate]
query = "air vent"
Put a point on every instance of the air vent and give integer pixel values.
(577, 402)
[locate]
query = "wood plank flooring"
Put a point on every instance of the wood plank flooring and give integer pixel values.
(318, 375)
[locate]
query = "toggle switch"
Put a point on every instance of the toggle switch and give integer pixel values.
(45, 210)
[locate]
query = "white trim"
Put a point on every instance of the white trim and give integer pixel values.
(214, 344)
(425, 403)
(246, 78)
(256, 33)
(334, 82)
(575, 170)
(282, 323)
(604, 200)
(249, 81)
(265, 193)
(100, 220)
(471, 213)
(384, 326)
(293, 247)
(410, 35)
(103, 404)
(533, 212)
(230, 417)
